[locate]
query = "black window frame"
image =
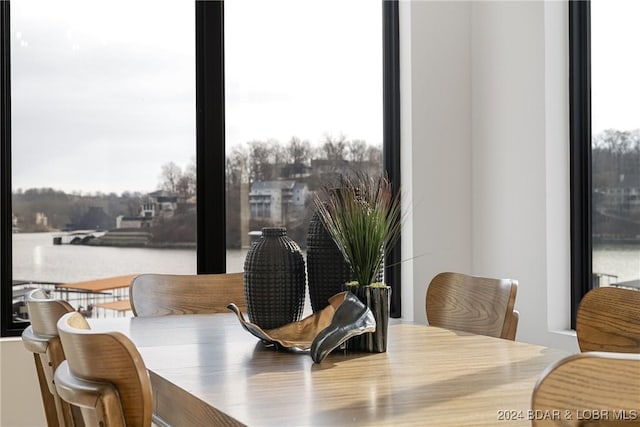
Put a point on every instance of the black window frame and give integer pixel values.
(580, 152)
(210, 146)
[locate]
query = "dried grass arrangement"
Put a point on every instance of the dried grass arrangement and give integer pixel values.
(362, 215)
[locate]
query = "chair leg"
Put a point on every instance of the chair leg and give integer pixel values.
(47, 398)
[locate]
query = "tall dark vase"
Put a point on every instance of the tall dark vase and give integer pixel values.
(378, 299)
(326, 267)
(274, 279)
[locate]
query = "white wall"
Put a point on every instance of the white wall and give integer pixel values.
(485, 166)
(436, 123)
(20, 402)
(488, 124)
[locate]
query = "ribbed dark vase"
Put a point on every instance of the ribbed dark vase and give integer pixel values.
(274, 279)
(327, 269)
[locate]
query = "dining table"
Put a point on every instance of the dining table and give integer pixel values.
(206, 370)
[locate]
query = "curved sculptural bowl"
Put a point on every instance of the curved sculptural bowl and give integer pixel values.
(345, 317)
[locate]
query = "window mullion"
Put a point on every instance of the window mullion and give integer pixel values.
(580, 152)
(210, 137)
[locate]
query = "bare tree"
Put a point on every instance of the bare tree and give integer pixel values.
(259, 155)
(374, 154)
(609, 149)
(187, 183)
(170, 176)
(334, 149)
(278, 159)
(184, 186)
(298, 151)
(357, 150)
(237, 165)
(298, 155)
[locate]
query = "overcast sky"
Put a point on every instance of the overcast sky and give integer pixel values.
(615, 64)
(103, 92)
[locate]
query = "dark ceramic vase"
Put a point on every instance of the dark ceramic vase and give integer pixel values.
(326, 267)
(274, 279)
(378, 299)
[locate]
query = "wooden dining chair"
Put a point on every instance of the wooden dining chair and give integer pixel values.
(589, 389)
(608, 319)
(104, 375)
(163, 294)
(473, 304)
(41, 338)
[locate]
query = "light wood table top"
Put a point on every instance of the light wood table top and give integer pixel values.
(100, 285)
(206, 370)
(120, 305)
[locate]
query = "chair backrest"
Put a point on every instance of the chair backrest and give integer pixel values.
(478, 305)
(163, 294)
(45, 312)
(104, 375)
(608, 319)
(594, 388)
(41, 338)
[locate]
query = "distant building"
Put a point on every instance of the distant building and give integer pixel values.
(124, 221)
(330, 169)
(41, 219)
(622, 196)
(323, 167)
(295, 171)
(160, 204)
(299, 197)
(276, 200)
(616, 209)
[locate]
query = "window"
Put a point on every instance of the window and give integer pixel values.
(102, 143)
(160, 78)
(605, 146)
(303, 94)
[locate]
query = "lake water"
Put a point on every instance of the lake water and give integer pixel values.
(622, 261)
(36, 258)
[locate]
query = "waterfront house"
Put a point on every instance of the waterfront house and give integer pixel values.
(277, 200)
